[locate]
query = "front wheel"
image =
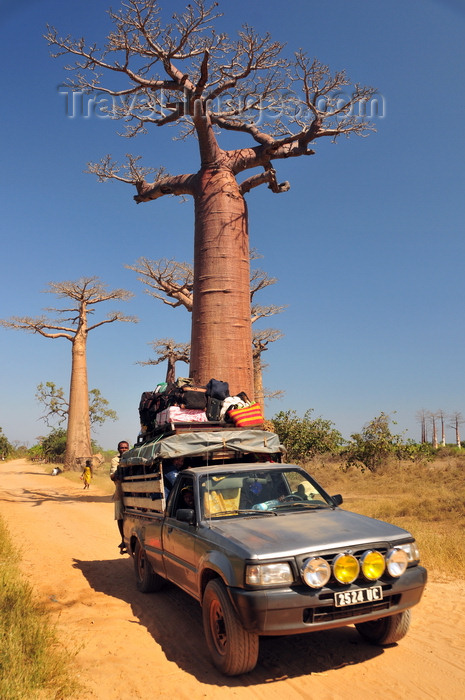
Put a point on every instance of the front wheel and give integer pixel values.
(147, 580)
(386, 630)
(233, 649)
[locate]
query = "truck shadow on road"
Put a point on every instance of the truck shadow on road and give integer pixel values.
(174, 620)
(37, 498)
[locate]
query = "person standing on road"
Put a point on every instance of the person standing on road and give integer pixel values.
(87, 474)
(123, 447)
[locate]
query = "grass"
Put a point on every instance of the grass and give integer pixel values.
(428, 500)
(33, 663)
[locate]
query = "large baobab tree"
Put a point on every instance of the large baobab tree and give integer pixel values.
(72, 324)
(149, 75)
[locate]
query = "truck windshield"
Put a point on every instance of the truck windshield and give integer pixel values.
(251, 492)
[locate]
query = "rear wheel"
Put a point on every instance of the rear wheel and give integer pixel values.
(147, 580)
(386, 630)
(233, 649)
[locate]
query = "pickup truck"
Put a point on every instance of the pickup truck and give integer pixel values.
(261, 545)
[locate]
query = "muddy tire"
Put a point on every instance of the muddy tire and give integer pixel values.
(147, 581)
(233, 649)
(386, 630)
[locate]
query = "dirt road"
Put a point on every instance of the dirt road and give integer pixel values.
(129, 645)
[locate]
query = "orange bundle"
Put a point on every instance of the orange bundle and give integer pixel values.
(247, 416)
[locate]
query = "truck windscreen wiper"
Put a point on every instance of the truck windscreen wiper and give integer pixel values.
(242, 511)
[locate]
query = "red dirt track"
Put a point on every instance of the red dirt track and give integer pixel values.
(128, 645)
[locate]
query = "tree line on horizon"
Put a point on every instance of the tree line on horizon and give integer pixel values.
(435, 423)
(304, 438)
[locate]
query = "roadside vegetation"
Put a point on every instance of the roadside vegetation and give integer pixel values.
(33, 662)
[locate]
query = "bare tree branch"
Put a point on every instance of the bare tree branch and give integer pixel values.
(173, 279)
(154, 74)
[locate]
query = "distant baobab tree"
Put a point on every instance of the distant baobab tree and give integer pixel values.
(167, 350)
(172, 283)
(73, 325)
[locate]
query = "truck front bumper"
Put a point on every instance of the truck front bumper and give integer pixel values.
(298, 610)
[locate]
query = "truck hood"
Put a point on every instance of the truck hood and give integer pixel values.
(262, 537)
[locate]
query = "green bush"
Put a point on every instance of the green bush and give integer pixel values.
(6, 448)
(376, 446)
(54, 445)
(306, 437)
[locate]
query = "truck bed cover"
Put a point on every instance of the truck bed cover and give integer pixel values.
(196, 443)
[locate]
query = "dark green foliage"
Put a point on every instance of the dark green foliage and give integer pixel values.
(306, 437)
(56, 405)
(376, 445)
(6, 448)
(98, 408)
(54, 445)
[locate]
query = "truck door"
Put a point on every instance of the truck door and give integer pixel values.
(179, 541)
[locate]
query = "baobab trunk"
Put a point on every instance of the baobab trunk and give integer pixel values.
(221, 343)
(78, 443)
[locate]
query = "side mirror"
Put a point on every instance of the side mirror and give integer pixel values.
(337, 499)
(186, 515)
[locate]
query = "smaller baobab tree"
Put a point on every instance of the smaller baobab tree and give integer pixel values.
(260, 341)
(442, 418)
(172, 283)
(168, 350)
(422, 418)
(434, 430)
(72, 324)
(456, 421)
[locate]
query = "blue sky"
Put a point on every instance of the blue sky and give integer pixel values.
(367, 245)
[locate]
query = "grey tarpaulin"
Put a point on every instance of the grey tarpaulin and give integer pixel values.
(192, 443)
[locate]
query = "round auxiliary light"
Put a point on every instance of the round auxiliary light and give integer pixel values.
(373, 565)
(316, 572)
(397, 562)
(345, 568)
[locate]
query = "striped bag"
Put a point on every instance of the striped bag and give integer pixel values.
(247, 416)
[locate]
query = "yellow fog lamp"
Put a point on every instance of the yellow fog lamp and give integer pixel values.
(345, 568)
(373, 565)
(316, 572)
(397, 562)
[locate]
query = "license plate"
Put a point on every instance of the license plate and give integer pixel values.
(360, 595)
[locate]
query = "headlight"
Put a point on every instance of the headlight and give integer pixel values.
(269, 574)
(346, 568)
(397, 561)
(316, 572)
(411, 551)
(373, 565)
